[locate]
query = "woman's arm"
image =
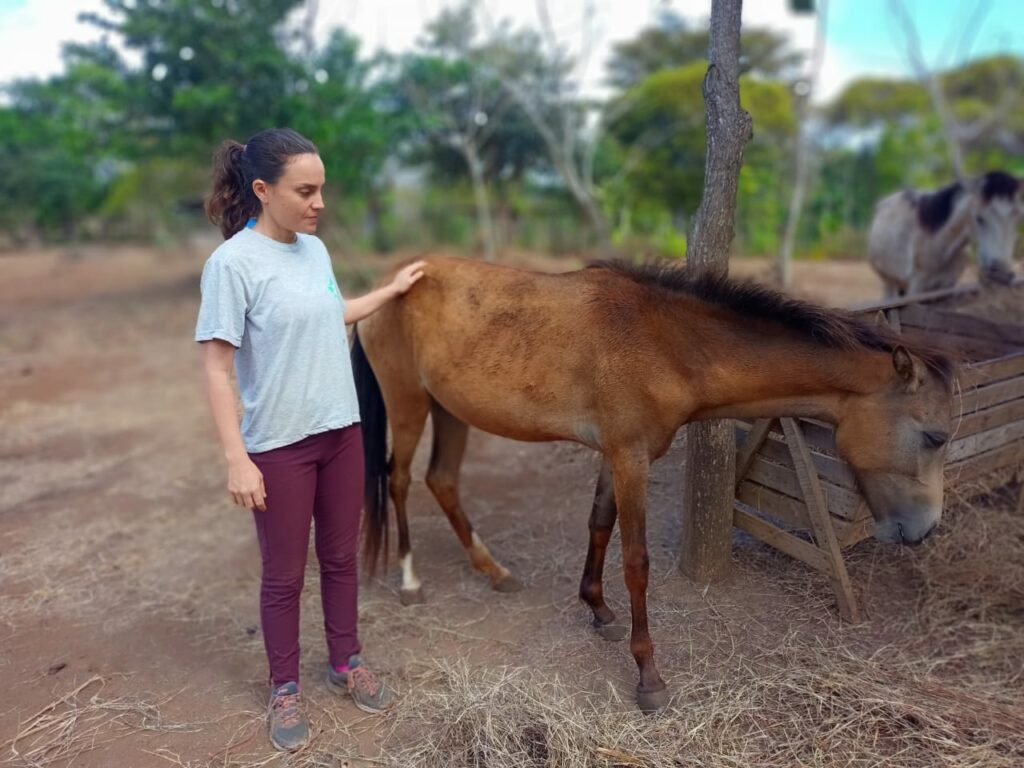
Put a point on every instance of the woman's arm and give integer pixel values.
(245, 481)
(364, 306)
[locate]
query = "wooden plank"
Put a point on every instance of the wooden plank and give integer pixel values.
(979, 421)
(979, 398)
(981, 464)
(971, 347)
(957, 293)
(749, 446)
(962, 324)
(965, 447)
(780, 539)
(817, 508)
(840, 501)
(785, 508)
(831, 468)
(820, 435)
(992, 370)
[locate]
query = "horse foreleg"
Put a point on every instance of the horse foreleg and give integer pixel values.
(602, 523)
(406, 429)
(629, 473)
(450, 436)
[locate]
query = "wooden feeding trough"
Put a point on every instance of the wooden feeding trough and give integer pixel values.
(790, 481)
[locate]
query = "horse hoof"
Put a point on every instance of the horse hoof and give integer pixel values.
(412, 596)
(507, 585)
(651, 702)
(612, 632)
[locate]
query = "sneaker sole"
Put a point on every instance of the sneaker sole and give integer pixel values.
(282, 748)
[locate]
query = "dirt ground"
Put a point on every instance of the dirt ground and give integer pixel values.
(129, 627)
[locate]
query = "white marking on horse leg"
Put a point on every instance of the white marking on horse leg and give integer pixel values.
(409, 581)
(482, 560)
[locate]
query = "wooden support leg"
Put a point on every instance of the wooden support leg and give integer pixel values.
(824, 532)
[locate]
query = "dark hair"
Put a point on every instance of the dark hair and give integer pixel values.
(236, 166)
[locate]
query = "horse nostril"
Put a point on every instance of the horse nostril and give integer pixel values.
(899, 527)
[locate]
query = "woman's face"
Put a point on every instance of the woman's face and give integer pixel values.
(295, 200)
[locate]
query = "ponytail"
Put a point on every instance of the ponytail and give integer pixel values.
(232, 202)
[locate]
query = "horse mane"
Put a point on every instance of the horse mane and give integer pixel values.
(935, 208)
(838, 329)
(998, 184)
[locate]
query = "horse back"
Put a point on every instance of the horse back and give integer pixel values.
(523, 354)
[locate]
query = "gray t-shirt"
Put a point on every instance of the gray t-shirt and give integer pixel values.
(279, 304)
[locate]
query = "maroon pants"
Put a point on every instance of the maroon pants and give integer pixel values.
(321, 478)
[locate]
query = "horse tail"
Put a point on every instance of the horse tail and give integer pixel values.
(374, 417)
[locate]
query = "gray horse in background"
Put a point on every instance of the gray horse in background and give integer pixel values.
(918, 239)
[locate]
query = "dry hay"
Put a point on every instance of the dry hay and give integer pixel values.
(79, 722)
(969, 621)
(809, 706)
(948, 692)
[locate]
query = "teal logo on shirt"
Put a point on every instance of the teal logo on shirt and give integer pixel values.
(332, 287)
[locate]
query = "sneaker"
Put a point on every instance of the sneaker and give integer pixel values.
(289, 729)
(368, 692)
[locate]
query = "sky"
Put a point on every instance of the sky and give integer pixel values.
(862, 37)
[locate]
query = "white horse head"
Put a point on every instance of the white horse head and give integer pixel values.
(999, 207)
(918, 239)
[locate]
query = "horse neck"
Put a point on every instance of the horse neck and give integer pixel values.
(954, 234)
(748, 373)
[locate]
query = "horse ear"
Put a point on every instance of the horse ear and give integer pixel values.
(881, 320)
(906, 368)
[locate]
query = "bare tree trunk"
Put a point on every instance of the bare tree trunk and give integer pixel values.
(803, 176)
(483, 205)
(931, 82)
(571, 153)
(710, 464)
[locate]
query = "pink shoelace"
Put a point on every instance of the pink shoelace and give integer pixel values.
(286, 707)
(360, 678)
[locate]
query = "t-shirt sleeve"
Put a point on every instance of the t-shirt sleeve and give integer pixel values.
(223, 306)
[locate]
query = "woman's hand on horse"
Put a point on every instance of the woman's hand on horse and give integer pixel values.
(407, 276)
(245, 484)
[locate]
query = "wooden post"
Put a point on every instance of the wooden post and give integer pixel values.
(710, 457)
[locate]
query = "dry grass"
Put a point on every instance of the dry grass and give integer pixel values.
(969, 620)
(81, 721)
(806, 706)
(949, 693)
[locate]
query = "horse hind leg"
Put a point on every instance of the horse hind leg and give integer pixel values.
(450, 436)
(407, 422)
(602, 523)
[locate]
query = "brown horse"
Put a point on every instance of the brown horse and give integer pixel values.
(618, 358)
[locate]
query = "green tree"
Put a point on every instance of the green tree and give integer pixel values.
(60, 140)
(673, 43)
(467, 124)
(347, 108)
(662, 140)
(209, 70)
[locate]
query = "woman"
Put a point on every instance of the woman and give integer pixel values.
(271, 309)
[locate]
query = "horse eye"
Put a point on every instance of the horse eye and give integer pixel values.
(936, 439)
(980, 220)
